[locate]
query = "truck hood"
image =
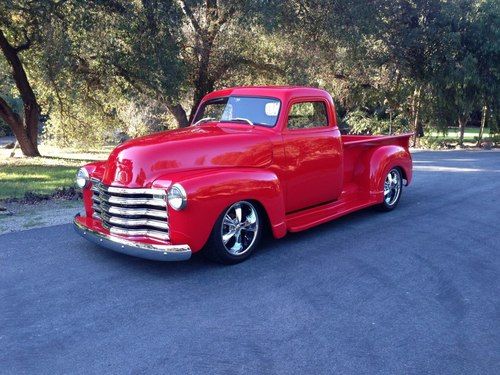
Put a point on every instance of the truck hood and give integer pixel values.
(138, 162)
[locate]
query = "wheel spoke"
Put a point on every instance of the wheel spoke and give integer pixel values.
(387, 186)
(226, 237)
(228, 221)
(237, 241)
(237, 210)
(249, 220)
(395, 181)
(249, 227)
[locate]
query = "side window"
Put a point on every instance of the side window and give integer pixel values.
(307, 115)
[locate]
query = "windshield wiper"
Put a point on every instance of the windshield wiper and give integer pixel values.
(241, 119)
(204, 119)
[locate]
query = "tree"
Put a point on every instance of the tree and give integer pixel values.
(172, 50)
(24, 128)
(22, 25)
(484, 43)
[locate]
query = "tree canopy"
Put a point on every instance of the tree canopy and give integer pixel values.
(94, 67)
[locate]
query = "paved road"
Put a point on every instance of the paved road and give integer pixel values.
(409, 292)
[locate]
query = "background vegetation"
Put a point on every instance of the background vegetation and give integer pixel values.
(87, 69)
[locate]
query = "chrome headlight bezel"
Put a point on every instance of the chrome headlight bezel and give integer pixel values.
(177, 197)
(82, 178)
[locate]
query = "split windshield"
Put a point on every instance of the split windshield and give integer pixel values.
(240, 109)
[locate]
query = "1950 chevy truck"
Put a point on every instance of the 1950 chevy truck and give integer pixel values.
(253, 158)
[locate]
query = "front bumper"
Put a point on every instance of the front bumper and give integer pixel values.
(138, 249)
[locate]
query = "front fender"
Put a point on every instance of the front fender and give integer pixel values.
(382, 160)
(209, 192)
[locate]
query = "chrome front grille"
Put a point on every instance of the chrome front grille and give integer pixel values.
(131, 212)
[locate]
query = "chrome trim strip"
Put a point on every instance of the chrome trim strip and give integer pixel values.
(133, 222)
(163, 214)
(132, 201)
(142, 250)
(117, 190)
(99, 186)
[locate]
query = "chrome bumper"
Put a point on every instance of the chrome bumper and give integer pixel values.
(137, 249)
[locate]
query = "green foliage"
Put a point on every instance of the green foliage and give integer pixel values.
(359, 122)
(434, 143)
(17, 105)
(135, 67)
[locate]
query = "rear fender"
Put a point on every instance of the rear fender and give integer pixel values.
(382, 160)
(209, 192)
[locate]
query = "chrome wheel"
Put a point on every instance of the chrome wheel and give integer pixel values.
(392, 187)
(240, 227)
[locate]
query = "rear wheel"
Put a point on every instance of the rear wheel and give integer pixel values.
(236, 233)
(393, 187)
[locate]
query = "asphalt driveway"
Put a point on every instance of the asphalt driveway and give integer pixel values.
(413, 291)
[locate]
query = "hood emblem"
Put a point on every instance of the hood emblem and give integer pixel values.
(122, 177)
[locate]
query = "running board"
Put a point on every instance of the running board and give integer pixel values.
(311, 217)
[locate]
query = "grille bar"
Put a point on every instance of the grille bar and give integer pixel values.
(133, 222)
(139, 232)
(125, 201)
(131, 212)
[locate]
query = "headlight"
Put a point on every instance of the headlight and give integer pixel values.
(82, 178)
(176, 197)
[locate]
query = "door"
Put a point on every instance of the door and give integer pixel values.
(313, 154)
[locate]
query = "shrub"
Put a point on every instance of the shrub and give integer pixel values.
(359, 122)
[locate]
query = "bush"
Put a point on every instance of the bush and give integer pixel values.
(434, 143)
(359, 122)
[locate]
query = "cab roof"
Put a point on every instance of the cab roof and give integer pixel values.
(283, 93)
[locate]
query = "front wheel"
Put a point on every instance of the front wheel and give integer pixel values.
(236, 234)
(393, 186)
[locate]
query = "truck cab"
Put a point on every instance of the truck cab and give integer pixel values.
(254, 157)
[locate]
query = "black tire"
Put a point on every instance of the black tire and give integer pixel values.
(228, 252)
(393, 189)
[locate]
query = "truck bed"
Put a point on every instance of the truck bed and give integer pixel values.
(358, 149)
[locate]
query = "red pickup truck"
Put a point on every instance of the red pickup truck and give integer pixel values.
(254, 158)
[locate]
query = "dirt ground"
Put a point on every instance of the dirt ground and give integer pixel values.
(18, 216)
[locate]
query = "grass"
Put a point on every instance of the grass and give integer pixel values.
(43, 175)
(470, 134)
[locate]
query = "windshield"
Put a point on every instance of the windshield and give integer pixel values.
(255, 111)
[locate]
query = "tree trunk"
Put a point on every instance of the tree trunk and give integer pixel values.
(462, 121)
(180, 115)
(202, 87)
(484, 115)
(26, 132)
(417, 126)
(15, 122)
(203, 84)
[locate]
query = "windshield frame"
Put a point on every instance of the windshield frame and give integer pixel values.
(204, 103)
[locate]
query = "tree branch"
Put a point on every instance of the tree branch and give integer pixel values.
(24, 46)
(243, 61)
(192, 19)
(7, 114)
